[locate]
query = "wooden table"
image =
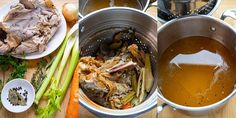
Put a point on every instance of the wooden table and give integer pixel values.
(31, 68)
(229, 111)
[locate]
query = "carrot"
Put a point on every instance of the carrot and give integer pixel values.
(73, 105)
(127, 106)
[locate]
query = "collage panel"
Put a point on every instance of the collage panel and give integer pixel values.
(196, 58)
(38, 57)
(118, 42)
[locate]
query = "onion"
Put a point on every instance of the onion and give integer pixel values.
(70, 12)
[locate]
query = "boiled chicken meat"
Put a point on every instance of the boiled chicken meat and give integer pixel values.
(28, 27)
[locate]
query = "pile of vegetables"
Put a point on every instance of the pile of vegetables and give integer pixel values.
(118, 75)
(19, 68)
(46, 80)
(140, 87)
(56, 93)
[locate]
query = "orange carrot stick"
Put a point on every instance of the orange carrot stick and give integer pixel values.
(73, 105)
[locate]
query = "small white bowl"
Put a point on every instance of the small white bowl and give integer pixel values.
(25, 85)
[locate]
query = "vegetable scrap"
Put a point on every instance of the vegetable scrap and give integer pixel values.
(56, 92)
(119, 77)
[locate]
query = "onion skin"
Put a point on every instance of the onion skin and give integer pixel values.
(70, 12)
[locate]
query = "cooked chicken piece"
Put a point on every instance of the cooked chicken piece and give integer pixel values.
(107, 81)
(28, 27)
(133, 49)
(91, 61)
(29, 4)
(93, 78)
(3, 47)
(119, 93)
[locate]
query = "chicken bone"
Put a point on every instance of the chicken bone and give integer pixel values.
(121, 66)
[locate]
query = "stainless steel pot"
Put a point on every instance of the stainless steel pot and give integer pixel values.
(98, 27)
(179, 8)
(145, 4)
(206, 26)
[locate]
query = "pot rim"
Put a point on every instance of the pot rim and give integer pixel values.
(187, 108)
(116, 8)
(209, 14)
(143, 9)
(132, 111)
(121, 113)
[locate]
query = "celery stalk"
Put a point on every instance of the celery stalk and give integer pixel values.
(149, 79)
(45, 83)
(73, 63)
(57, 95)
(128, 97)
(134, 81)
(139, 83)
(142, 91)
(65, 57)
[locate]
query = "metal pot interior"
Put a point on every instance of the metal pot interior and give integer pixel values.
(209, 9)
(196, 26)
(101, 26)
(82, 4)
(206, 26)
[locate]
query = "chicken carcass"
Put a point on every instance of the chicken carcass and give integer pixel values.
(28, 27)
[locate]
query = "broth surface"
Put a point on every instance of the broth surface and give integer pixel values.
(196, 71)
(93, 5)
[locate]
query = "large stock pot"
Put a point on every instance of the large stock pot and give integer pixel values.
(106, 21)
(206, 26)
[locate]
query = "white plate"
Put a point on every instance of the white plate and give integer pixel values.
(25, 85)
(52, 45)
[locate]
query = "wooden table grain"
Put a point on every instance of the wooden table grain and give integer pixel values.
(31, 68)
(229, 110)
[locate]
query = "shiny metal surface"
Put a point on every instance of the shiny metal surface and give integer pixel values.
(180, 8)
(82, 3)
(98, 27)
(206, 26)
(161, 107)
(229, 13)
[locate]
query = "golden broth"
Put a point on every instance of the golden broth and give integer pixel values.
(196, 71)
(93, 5)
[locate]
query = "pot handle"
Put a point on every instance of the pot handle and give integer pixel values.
(229, 13)
(161, 108)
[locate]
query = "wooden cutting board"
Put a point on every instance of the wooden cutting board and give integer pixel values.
(229, 111)
(31, 68)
